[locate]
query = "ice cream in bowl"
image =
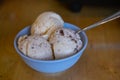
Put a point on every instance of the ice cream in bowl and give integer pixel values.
(50, 45)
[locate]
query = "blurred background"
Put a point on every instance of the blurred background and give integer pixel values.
(101, 59)
(76, 5)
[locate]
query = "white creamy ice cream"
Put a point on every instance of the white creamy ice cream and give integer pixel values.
(48, 39)
(65, 43)
(46, 23)
(35, 47)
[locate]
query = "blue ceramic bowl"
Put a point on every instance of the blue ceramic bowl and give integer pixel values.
(51, 66)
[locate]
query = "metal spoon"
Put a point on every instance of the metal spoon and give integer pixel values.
(109, 18)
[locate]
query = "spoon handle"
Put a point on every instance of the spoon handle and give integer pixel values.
(105, 20)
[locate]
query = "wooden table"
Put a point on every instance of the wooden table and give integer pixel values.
(100, 61)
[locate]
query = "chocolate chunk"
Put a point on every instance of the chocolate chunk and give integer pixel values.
(70, 36)
(61, 32)
(32, 47)
(74, 40)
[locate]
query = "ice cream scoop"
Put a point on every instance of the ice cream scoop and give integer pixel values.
(35, 47)
(46, 23)
(65, 42)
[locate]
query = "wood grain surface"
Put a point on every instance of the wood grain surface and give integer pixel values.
(100, 61)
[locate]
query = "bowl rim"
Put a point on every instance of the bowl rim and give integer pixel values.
(50, 61)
